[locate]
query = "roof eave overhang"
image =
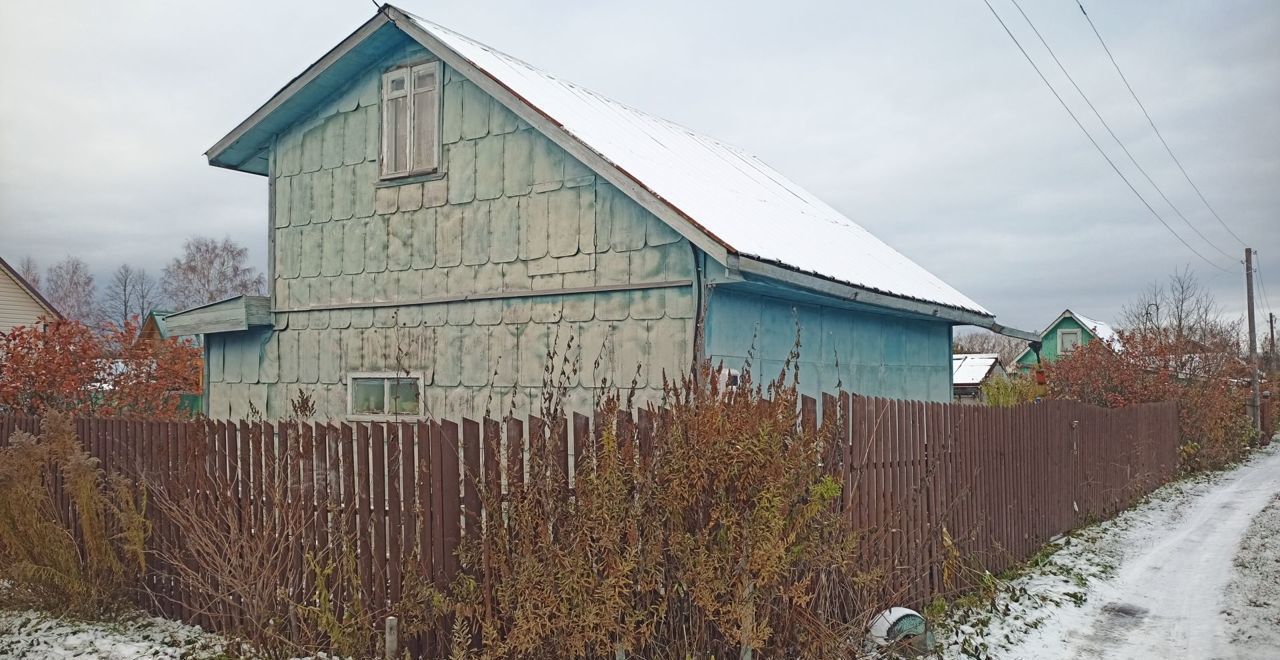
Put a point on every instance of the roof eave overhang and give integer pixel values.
(749, 266)
(244, 147)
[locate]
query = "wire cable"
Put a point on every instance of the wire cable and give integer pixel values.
(1153, 126)
(1262, 288)
(1115, 137)
(1093, 141)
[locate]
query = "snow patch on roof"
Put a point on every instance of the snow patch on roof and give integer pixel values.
(737, 199)
(1100, 329)
(971, 368)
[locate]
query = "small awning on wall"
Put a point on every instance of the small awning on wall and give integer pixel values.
(230, 315)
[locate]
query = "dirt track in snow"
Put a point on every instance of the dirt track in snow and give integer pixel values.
(1187, 583)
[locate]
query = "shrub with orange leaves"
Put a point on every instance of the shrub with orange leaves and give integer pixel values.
(60, 365)
(1150, 366)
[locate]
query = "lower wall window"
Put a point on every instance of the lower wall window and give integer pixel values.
(379, 395)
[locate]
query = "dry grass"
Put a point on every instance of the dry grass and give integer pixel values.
(87, 563)
(721, 540)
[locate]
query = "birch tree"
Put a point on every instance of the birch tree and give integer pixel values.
(210, 270)
(70, 288)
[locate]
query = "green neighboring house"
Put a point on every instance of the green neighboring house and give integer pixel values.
(1066, 332)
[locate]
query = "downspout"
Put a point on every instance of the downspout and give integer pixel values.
(204, 396)
(700, 296)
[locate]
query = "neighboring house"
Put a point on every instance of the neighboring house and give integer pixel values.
(20, 303)
(1066, 332)
(155, 326)
(970, 370)
(444, 217)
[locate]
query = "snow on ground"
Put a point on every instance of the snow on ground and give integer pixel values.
(1253, 597)
(1158, 581)
(33, 635)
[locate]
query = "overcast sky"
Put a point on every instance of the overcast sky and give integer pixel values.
(919, 120)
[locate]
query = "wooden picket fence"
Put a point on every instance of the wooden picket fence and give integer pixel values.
(927, 482)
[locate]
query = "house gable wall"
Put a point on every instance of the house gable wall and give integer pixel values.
(356, 264)
(1049, 349)
(17, 307)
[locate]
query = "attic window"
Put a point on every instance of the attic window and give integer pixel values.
(411, 120)
(1068, 340)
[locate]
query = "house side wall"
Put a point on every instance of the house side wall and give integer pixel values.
(863, 352)
(511, 212)
(1050, 351)
(17, 307)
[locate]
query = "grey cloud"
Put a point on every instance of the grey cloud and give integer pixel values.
(919, 120)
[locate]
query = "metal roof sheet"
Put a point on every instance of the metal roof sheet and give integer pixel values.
(971, 368)
(1100, 329)
(735, 197)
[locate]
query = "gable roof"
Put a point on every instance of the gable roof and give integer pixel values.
(969, 369)
(724, 200)
(1098, 329)
(28, 288)
(156, 318)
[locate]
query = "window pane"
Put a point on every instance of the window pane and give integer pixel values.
(424, 79)
(397, 84)
(368, 396)
(404, 396)
(424, 130)
(396, 135)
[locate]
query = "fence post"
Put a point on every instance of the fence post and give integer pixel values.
(392, 638)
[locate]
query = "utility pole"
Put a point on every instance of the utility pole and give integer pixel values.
(1255, 398)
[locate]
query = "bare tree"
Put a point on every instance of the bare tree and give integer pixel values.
(1183, 311)
(210, 270)
(983, 341)
(30, 271)
(69, 286)
(131, 293)
(1182, 315)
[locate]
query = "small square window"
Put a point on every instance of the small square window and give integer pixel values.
(384, 395)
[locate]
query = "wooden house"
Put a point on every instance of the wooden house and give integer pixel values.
(20, 303)
(1065, 333)
(155, 326)
(447, 219)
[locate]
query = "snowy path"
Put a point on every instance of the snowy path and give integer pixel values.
(1168, 595)
(1160, 581)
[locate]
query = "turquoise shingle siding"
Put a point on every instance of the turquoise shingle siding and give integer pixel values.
(511, 212)
(862, 351)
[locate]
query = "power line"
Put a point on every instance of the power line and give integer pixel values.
(1093, 141)
(1262, 287)
(1115, 137)
(1153, 126)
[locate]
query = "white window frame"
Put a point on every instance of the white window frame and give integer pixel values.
(411, 121)
(1064, 333)
(386, 376)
